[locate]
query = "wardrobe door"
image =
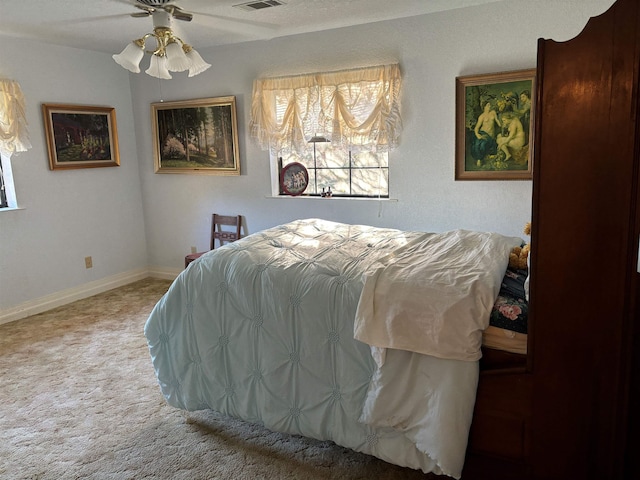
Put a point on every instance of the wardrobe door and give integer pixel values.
(632, 463)
(584, 245)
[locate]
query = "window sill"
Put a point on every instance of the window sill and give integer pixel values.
(328, 199)
(11, 209)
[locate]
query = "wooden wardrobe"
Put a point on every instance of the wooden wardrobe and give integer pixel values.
(572, 411)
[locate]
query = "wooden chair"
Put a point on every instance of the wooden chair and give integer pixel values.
(224, 229)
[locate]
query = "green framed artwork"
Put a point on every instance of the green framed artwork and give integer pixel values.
(197, 137)
(80, 136)
(494, 126)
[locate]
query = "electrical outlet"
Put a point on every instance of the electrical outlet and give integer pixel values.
(88, 262)
(194, 250)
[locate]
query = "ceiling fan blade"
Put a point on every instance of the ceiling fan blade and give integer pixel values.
(183, 17)
(127, 2)
(177, 13)
(77, 21)
(144, 8)
(140, 14)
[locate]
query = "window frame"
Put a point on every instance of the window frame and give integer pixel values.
(350, 167)
(357, 110)
(8, 183)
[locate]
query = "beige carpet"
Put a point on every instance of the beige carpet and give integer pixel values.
(79, 399)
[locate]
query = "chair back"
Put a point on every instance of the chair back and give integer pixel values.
(224, 229)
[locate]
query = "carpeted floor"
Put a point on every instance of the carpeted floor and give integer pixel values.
(79, 399)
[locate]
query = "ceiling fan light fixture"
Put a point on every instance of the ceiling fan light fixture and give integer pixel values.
(158, 67)
(177, 61)
(198, 65)
(171, 53)
(130, 57)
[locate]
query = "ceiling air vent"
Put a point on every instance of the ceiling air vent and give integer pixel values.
(259, 5)
(153, 3)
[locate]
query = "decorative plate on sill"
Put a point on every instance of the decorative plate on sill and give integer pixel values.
(294, 179)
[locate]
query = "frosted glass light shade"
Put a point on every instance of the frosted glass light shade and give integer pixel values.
(158, 67)
(130, 57)
(198, 65)
(177, 61)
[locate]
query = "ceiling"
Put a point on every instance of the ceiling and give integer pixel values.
(106, 25)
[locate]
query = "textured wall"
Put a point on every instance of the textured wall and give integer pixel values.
(432, 51)
(118, 215)
(68, 215)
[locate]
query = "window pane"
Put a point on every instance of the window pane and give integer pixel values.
(311, 188)
(369, 159)
(306, 161)
(3, 196)
(335, 158)
(370, 181)
(368, 175)
(337, 179)
(8, 195)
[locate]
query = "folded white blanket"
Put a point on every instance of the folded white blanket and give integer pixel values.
(434, 412)
(434, 295)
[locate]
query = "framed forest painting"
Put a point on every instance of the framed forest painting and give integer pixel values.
(196, 136)
(80, 136)
(494, 126)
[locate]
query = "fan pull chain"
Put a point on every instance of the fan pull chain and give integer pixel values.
(160, 88)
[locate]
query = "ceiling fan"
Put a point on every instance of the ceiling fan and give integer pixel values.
(149, 7)
(171, 53)
(172, 10)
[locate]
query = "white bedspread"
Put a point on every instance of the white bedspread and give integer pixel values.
(434, 295)
(262, 329)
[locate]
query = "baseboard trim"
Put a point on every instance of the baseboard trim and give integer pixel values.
(57, 299)
(164, 273)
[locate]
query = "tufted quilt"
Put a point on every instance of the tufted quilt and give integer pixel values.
(263, 329)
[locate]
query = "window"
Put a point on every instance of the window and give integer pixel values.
(3, 195)
(7, 192)
(354, 117)
(13, 137)
(345, 173)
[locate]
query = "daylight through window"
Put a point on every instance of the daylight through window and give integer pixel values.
(13, 137)
(344, 173)
(357, 112)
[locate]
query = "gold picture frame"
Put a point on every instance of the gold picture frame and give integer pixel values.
(80, 136)
(196, 136)
(494, 126)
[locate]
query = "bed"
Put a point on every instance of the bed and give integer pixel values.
(317, 328)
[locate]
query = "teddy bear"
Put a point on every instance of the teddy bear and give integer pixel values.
(519, 255)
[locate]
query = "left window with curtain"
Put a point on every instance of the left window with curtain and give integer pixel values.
(13, 137)
(7, 189)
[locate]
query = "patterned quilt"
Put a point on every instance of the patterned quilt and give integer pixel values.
(263, 329)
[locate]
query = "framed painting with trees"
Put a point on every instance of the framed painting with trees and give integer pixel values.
(196, 136)
(80, 136)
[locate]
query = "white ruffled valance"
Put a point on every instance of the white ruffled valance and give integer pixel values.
(352, 108)
(13, 121)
